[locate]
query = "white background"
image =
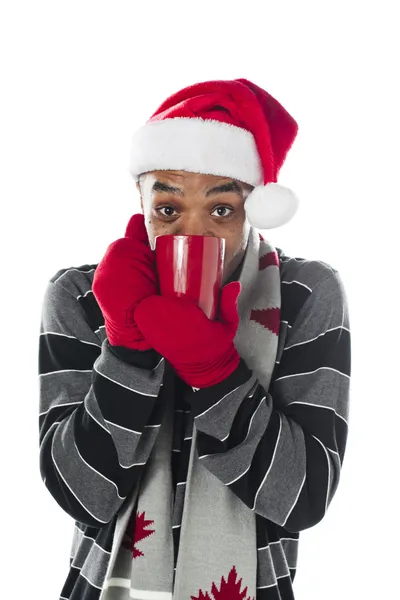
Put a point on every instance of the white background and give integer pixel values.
(76, 79)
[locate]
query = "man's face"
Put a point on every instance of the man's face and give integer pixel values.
(183, 203)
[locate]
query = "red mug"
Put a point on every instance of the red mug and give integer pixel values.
(191, 266)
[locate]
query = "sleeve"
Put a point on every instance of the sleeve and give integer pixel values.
(144, 359)
(99, 415)
(281, 451)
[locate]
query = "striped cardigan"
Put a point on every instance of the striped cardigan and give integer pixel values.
(83, 449)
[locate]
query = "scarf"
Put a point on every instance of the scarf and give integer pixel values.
(218, 544)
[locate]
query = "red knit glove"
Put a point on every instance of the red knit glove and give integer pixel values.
(201, 351)
(125, 276)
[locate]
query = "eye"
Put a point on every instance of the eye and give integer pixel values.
(169, 210)
(222, 211)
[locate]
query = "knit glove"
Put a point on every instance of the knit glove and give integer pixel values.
(201, 351)
(125, 276)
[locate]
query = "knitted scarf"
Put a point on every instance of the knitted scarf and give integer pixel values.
(218, 544)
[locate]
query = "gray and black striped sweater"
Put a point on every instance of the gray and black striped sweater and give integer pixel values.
(95, 430)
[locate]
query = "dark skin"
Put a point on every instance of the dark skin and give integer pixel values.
(183, 203)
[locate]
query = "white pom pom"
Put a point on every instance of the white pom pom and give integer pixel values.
(271, 205)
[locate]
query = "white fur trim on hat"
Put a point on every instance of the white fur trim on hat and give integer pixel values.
(196, 145)
(270, 206)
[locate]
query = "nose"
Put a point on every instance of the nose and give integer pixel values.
(193, 226)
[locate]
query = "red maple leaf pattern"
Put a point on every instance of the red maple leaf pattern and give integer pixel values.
(229, 590)
(270, 318)
(271, 258)
(136, 532)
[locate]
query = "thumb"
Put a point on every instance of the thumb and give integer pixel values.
(228, 312)
(136, 229)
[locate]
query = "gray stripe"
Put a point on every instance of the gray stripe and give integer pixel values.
(275, 560)
(289, 462)
(230, 465)
(95, 566)
(178, 506)
(311, 321)
(61, 312)
(90, 558)
(142, 451)
(50, 335)
(290, 548)
(106, 500)
(217, 421)
(76, 538)
(324, 388)
(266, 575)
(83, 546)
(78, 279)
(62, 388)
(334, 473)
(279, 555)
(141, 381)
(126, 443)
(131, 447)
(306, 271)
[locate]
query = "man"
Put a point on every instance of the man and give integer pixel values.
(192, 452)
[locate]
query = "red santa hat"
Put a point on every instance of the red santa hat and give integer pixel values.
(228, 128)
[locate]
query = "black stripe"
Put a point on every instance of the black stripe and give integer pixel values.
(283, 591)
(310, 506)
(89, 532)
(268, 532)
(241, 422)
(246, 487)
(321, 422)
(97, 448)
(285, 588)
(77, 587)
(120, 405)
(60, 492)
(206, 397)
(54, 414)
(293, 297)
(92, 310)
(180, 462)
(70, 582)
(143, 359)
(159, 407)
(103, 536)
(58, 353)
(176, 534)
(329, 350)
(240, 425)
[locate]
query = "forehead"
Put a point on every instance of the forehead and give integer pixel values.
(185, 179)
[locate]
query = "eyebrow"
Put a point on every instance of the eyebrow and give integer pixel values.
(231, 186)
(159, 186)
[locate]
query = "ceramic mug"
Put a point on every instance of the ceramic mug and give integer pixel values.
(191, 266)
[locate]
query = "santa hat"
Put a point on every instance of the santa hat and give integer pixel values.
(228, 128)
